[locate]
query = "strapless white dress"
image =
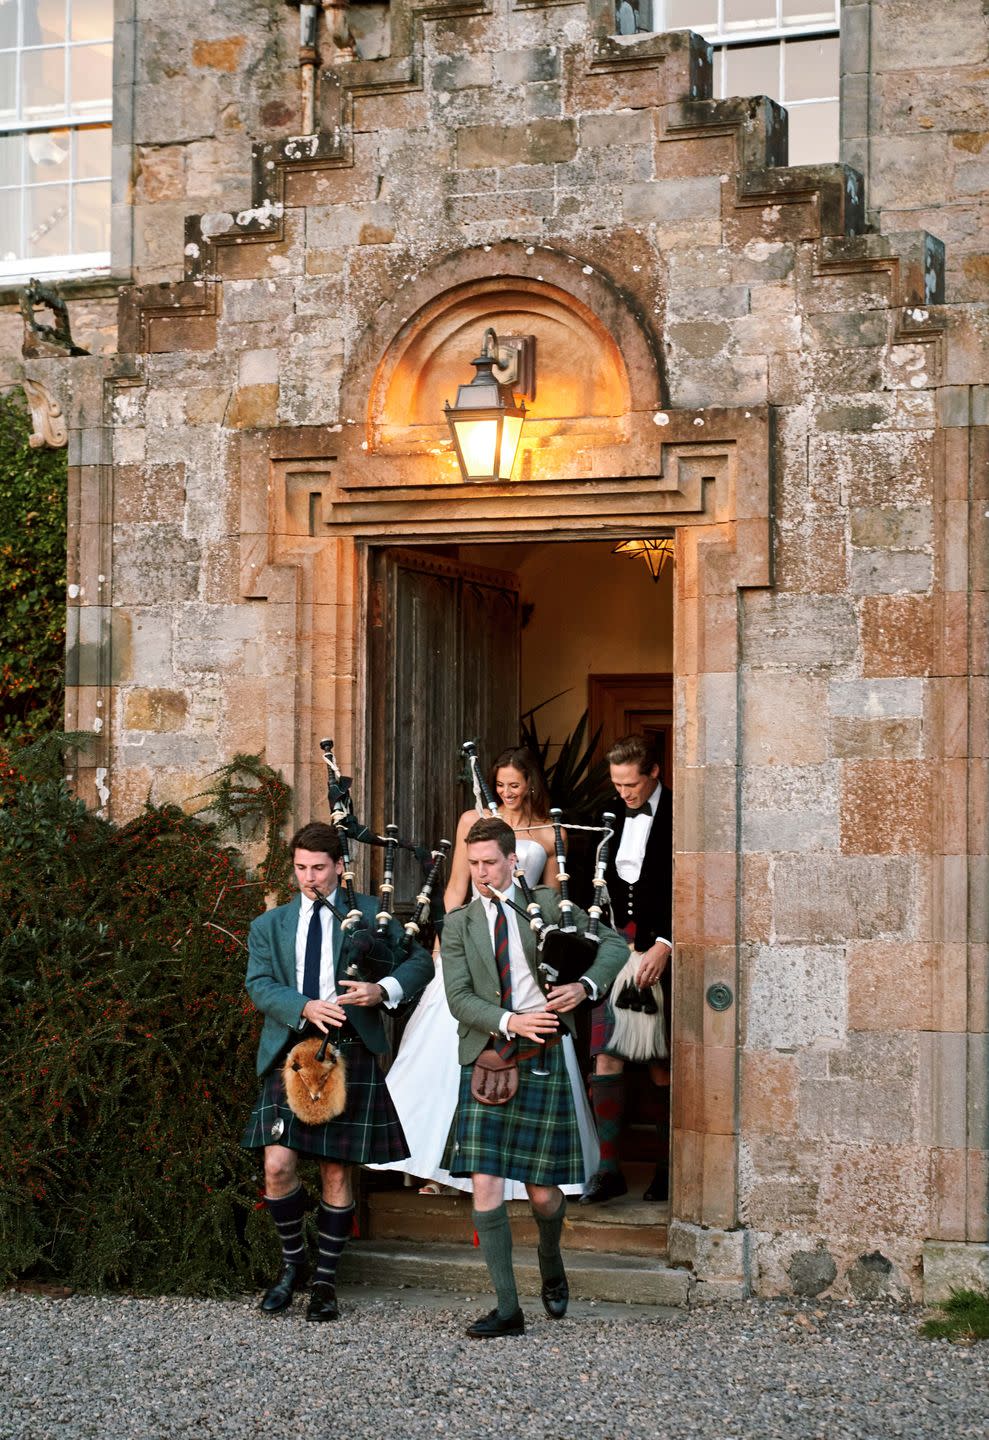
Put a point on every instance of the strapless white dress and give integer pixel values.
(424, 1081)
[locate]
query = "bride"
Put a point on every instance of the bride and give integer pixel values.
(424, 1081)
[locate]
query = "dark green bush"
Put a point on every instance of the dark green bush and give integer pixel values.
(128, 1045)
(32, 579)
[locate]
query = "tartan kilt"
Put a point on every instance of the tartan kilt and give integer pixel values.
(534, 1138)
(367, 1132)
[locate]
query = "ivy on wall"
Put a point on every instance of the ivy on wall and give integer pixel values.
(32, 579)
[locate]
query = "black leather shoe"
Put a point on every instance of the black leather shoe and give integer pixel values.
(323, 1302)
(492, 1327)
(605, 1185)
(279, 1297)
(556, 1297)
(658, 1187)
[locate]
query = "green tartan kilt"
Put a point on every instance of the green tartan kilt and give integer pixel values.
(367, 1132)
(533, 1139)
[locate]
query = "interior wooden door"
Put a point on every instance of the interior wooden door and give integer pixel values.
(444, 668)
(633, 704)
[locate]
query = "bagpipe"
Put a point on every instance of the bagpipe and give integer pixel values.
(565, 953)
(371, 952)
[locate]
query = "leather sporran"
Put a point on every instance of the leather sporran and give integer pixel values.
(494, 1081)
(315, 1078)
(639, 1020)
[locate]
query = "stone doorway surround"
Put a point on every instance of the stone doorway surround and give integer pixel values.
(313, 504)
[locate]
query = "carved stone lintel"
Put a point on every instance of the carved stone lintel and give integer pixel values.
(46, 416)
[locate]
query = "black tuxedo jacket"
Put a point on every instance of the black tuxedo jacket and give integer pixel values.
(649, 902)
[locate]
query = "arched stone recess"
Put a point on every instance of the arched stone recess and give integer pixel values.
(609, 460)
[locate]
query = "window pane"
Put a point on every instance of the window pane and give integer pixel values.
(47, 220)
(92, 217)
(43, 82)
(8, 74)
(92, 154)
(44, 22)
(92, 19)
(691, 14)
(10, 226)
(809, 12)
(47, 156)
(814, 133)
(753, 70)
(8, 23)
(11, 148)
(749, 14)
(92, 78)
(810, 69)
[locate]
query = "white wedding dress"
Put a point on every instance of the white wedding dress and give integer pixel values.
(424, 1081)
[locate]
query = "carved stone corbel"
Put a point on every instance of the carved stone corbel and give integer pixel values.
(46, 416)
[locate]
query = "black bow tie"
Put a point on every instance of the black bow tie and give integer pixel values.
(632, 810)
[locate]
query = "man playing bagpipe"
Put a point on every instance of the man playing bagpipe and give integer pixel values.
(298, 958)
(515, 1114)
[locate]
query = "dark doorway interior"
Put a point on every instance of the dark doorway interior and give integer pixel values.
(464, 639)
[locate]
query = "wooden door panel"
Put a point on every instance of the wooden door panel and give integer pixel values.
(444, 668)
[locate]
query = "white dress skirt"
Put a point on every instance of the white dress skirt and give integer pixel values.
(424, 1081)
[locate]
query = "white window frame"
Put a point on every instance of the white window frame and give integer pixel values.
(100, 117)
(724, 37)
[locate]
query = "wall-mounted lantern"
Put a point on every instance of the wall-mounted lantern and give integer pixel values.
(654, 552)
(486, 421)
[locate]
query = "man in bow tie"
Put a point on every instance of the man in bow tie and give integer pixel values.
(296, 969)
(640, 886)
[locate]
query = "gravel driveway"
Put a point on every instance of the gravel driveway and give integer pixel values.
(398, 1364)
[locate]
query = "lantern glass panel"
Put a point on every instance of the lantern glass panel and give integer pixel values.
(478, 440)
(510, 435)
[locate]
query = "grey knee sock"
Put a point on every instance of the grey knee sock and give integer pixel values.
(550, 1229)
(495, 1236)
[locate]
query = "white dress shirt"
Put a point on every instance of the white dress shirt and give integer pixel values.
(635, 837)
(327, 958)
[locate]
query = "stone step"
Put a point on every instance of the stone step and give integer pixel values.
(626, 1226)
(632, 1279)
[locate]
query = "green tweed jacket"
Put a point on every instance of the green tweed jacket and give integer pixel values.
(470, 975)
(271, 980)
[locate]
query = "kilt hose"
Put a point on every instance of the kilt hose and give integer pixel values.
(367, 1132)
(534, 1138)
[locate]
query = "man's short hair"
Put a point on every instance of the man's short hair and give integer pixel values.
(490, 827)
(317, 835)
(633, 750)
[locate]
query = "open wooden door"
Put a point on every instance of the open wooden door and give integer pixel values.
(444, 668)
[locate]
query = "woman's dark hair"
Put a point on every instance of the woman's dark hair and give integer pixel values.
(537, 798)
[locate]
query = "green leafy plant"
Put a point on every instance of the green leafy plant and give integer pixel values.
(250, 798)
(127, 1044)
(32, 579)
(577, 783)
(964, 1318)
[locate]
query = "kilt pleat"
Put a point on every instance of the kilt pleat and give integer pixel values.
(533, 1139)
(367, 1132)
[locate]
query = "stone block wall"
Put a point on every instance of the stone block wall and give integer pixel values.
(915, 121)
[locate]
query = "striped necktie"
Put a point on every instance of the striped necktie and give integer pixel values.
(507, 1048)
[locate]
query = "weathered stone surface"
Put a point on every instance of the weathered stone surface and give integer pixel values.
(783, 631)
(796, 996)
(886, 808)
(832, 899)
(949, 1267)
(158, 710)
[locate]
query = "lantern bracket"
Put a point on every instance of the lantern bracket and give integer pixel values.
(515, 361)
